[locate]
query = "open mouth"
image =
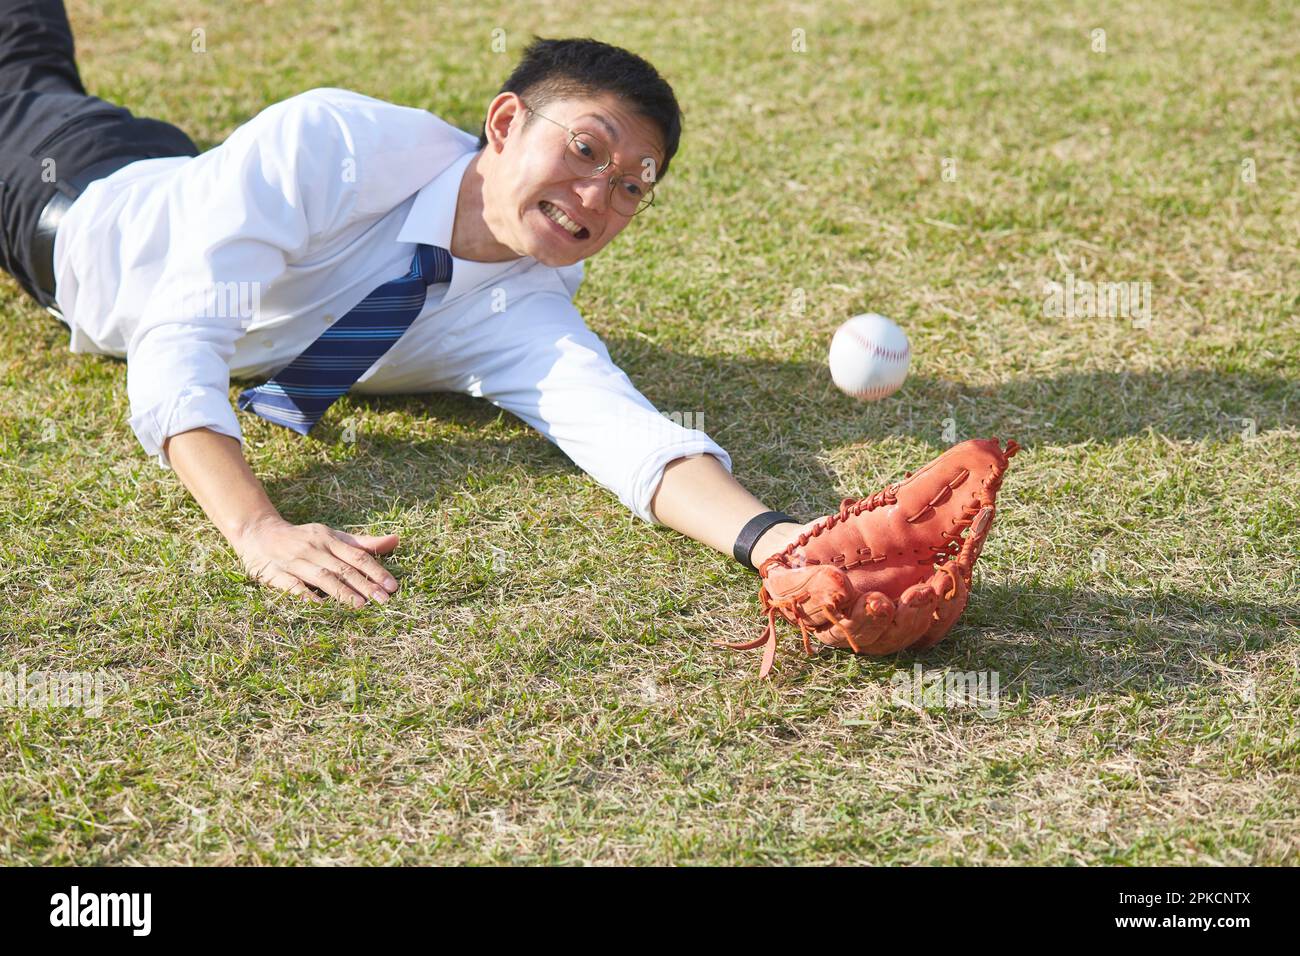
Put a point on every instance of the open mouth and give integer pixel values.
(563, 222)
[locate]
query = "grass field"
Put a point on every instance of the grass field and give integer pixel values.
(545, 687)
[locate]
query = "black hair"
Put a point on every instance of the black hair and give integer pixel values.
(551, 70)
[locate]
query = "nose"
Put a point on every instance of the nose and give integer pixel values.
(594, 193)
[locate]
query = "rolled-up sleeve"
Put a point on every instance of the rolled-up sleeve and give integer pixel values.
(557, 375)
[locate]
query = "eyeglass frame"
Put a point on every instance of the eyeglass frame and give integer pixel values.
(573, 134)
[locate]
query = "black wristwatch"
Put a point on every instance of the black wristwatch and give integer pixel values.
(754, 529)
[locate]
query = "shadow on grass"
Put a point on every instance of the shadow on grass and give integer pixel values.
(379, 468)
(777, 419)
(763, 398)
(1054, 641)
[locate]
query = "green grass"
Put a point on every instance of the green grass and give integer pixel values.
(565, 703)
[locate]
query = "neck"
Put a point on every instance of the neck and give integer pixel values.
(473, 234)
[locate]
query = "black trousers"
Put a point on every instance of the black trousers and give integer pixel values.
(51, 129)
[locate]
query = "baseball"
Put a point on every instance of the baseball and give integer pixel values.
(869, 357)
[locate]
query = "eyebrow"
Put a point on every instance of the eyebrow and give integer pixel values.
(613, 133)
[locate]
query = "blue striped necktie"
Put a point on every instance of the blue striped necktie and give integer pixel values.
(298, 395)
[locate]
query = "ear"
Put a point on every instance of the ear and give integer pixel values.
(505, 115)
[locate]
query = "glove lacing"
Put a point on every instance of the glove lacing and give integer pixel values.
(952, 553)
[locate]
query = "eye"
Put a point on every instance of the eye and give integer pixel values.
(633, 188)
(589, 151)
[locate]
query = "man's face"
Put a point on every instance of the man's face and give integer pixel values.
(530, 176)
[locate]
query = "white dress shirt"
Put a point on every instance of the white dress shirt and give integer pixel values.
(231, 263)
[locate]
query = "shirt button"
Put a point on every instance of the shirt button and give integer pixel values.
(267, 341)
(327, 319)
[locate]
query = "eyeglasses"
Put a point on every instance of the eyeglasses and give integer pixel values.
(587, 156)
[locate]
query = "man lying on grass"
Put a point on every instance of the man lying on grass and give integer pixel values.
(337, 243)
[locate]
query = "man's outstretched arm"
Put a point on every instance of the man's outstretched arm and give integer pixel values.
(274, 551)
(545, 366)
(700, 498)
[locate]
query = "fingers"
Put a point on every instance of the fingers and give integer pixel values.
(288, 583)
(375, 544)
(346, 571)
(380, 583)
(299, 559)
(335, 577)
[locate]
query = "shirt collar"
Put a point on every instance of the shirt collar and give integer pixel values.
(430, 222)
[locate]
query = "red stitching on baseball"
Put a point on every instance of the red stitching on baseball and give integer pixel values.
(877, 350)
(878, 391)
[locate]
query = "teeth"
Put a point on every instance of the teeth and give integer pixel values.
(561, 218)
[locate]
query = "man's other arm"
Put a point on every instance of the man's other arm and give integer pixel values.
(274, 551)
(249, 207)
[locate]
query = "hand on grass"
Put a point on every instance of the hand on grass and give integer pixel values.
(298, 558)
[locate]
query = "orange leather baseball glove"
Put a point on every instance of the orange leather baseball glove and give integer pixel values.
(892, 570)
